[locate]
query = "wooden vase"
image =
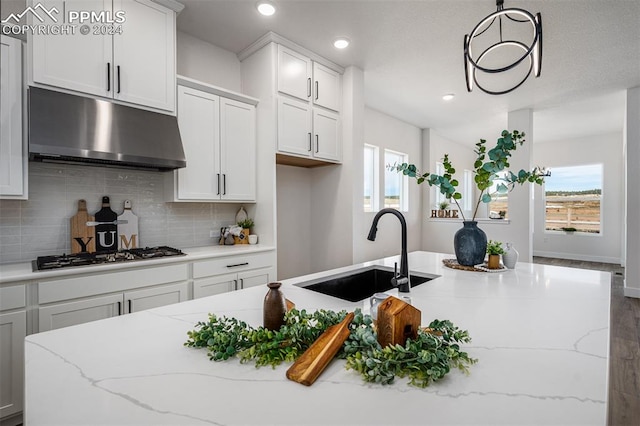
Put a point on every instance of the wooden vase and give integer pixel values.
(494, 261)
(274, 307)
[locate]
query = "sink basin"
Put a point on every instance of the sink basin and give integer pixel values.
(361, 283)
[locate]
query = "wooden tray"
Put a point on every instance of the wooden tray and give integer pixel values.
(453, 264)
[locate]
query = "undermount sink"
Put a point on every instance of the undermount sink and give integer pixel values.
(361, 283)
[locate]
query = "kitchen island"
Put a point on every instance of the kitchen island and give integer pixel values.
(540, 334)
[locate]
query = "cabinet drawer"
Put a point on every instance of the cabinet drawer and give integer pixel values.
(91, 285)
(12, 297)
(236, 263)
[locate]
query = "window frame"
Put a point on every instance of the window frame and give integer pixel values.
(404, 181)
(375, 178)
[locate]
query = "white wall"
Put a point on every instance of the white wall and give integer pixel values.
(208, 63)
(294, 221)
(632, 141)
(603, 247)
(387, 132)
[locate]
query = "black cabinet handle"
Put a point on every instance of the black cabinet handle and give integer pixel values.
(224, 184)
(316, 90)
(317, 143)
(308, 87)
(118, 71)
(238, 264)
(130, 305)
(310, 142)
(119, 308)
(218, 184)
(108, 76)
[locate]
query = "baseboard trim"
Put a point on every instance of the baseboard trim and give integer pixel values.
(583, 257)
(632, 292)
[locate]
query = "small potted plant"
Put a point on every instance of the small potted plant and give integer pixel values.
(494, 250)
(246, 226)
(569, 229)
(442, 206)
(502, 214)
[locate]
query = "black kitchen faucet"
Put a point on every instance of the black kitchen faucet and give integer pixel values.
(399, 280)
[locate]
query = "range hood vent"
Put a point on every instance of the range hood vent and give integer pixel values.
(74, 129)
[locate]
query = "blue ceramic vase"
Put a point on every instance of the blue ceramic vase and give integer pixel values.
(470, 244)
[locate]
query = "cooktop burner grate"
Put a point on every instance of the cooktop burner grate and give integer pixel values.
(84, 259)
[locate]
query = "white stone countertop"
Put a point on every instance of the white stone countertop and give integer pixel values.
(23, 271)
(540, 334)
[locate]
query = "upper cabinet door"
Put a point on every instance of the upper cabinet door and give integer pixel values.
(326, 126)
(11, 142)
(198, 120)
(73, 61)
(327, 90)
(294, 127)
(237, 150)
(294, 73)
(144, 55)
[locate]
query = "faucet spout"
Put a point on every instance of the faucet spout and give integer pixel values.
(401, 280)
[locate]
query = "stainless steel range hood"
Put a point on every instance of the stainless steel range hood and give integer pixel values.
(68, 128)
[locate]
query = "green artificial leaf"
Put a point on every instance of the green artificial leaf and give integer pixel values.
(486, 198)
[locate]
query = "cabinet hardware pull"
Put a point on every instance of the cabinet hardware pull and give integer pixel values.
(317, 144)
(310, 142)
(130, 306)
(119, 308)
(108, 76)
(309, 87)
(118, 70)
(316, 90)
(224, 184)
(218, 184)
(238, 264)
(241, 282)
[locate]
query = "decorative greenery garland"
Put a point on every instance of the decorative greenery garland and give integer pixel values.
(423, 360)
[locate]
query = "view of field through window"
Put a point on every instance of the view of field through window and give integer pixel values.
(572, 199)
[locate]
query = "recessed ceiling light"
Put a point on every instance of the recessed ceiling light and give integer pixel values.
(266, 8)
(341, 42)
(448, 96)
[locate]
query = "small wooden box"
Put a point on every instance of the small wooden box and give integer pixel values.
(397, 321)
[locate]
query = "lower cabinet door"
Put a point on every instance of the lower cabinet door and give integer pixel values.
(149, 298)
(13, 330)
(78, 312)
(218, 284)
(255, 278)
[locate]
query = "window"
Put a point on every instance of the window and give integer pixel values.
(439, 195)
(467, 195)
(572, 198)
(395, 184)
(499, 202)
(371, 189)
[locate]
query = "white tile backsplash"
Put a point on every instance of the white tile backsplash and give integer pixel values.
(39, 226)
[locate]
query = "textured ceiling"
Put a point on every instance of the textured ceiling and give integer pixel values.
(411, 53)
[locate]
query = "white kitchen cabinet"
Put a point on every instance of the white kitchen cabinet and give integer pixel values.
(302, 78)
(133, 62)
(13, 330)
(219, 140)
(306, 131)
(231, 273)
(294, 73)
(13, 149)
(327, 87)
(101, 307)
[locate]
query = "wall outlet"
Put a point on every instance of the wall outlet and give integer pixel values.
(214, 234)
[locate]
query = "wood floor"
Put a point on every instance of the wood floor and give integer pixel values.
(624, 344)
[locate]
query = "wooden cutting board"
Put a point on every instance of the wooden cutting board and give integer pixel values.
(127, 232)
(82, 236)
(107, 231)
(315, 359)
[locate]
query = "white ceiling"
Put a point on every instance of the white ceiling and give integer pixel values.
(411, 53)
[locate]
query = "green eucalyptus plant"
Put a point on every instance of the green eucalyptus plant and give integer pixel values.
(246, 224)
(487, 168)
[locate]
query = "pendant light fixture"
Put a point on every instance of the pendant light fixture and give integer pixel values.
(507, 23)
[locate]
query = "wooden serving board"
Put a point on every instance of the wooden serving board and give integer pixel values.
(82, 236)
(315, 359)
(128, 232)
(107, 230)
